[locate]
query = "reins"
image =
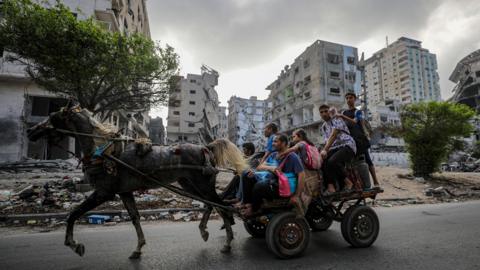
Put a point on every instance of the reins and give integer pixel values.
(64, 131)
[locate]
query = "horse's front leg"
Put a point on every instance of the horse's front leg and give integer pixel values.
(129, 203)
(91, 202)
(203, 223)
(227, 221)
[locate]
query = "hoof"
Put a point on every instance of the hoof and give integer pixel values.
(135, 255)
(205, 235)
(226, 249)
(80, 249)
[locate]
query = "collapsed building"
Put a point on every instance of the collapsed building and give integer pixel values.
(194, 114)
(157, 131)
(246, 121)
(466, 75)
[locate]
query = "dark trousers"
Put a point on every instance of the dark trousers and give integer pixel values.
(231, 190)
(334, 166)
(254, 192)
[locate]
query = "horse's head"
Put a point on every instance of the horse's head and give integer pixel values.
(68, 118)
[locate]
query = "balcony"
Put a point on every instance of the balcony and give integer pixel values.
(108, 18)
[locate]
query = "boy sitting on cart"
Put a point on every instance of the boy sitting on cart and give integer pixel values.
(263, 183)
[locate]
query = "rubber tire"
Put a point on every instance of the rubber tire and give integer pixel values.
(317, 226)
(274, 243)
(350, 230)
(343, 224)
(255, 229)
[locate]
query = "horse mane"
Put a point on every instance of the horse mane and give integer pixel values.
(227, 154)
(100, 129)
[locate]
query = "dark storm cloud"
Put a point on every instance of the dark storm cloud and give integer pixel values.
(233, 34)
(241, 34)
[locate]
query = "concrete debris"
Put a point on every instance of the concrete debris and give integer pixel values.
(419, 179)
(198, 204)
(44, 165)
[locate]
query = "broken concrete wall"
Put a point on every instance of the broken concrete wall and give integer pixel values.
(398, 159)
(11, 120)
(16, 116)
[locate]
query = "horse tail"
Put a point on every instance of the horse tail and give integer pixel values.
(227, 154)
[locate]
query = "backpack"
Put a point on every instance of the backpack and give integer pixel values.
(312, 159)
(360, 137)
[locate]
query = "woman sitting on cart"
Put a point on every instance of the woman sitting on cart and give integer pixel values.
(263, 184)
(309, 155)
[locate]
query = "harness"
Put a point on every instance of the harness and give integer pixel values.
(109, 162)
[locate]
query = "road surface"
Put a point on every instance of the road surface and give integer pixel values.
(442, 236)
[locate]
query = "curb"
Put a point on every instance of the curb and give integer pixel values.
(63, 215)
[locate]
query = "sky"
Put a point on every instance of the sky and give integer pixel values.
(250, 41)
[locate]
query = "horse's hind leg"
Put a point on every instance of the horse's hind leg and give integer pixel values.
(94, 200)
(227, 221)
(203, 223)
(129, 203)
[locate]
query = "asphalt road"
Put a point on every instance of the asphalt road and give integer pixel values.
(442, 236)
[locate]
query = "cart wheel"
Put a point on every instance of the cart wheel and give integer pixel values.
(360, 226)
(343, 224)
(318, 219)
(287, 236)
(255, 229)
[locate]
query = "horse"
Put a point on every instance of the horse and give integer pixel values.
(191, 166)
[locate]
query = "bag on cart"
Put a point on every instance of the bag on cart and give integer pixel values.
(311, 159)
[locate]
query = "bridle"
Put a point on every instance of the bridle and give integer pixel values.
(108, 139)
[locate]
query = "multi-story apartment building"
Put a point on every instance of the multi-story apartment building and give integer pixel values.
(466, 75)
(23, 103)
(246, 120)
(193, 108)
(402, 71)
(323, 73)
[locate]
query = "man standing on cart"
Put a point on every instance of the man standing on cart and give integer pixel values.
(355, 121)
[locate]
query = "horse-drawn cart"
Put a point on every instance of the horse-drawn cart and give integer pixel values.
(287, 234)
(114, 168)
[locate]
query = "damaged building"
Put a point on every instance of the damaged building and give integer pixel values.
(466, 75)
(323, 73)
(246, 120)
(24, 104)
(194, 114)
(156, 130)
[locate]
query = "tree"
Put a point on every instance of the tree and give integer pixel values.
(431, 131)
(105, 71)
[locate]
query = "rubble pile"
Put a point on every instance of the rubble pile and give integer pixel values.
(51, 196)
(62, 195)
(441, 188)
(35, 164)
